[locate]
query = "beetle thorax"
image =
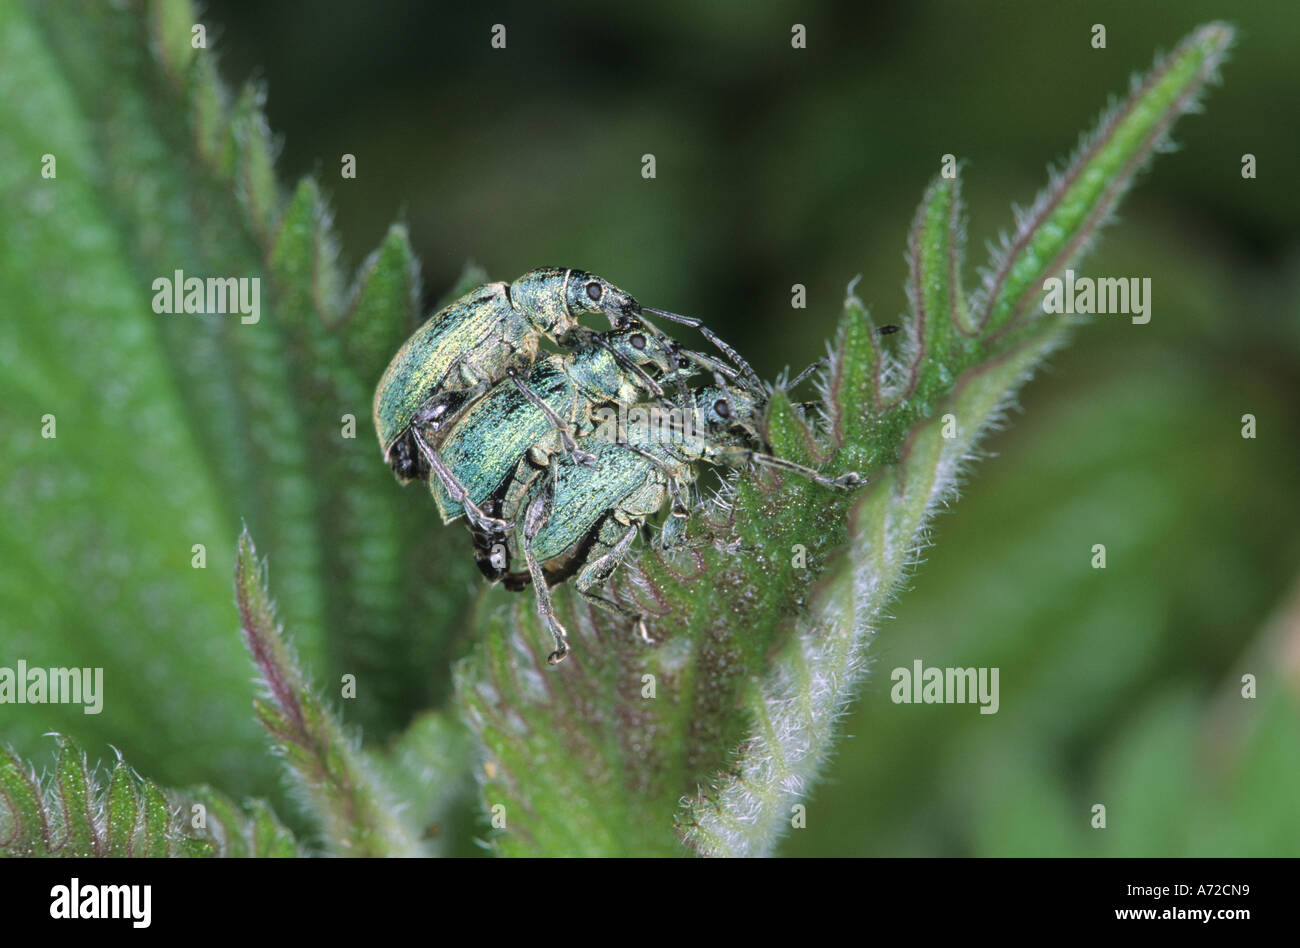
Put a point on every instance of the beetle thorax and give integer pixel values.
(540, 298)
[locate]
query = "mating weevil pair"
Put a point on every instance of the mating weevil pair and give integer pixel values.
(541, 416)
(509, 440)
(488, 335)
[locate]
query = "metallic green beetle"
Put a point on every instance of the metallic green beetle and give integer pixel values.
(474, 342)
(541, 417)
(576, 521)
(479, 340)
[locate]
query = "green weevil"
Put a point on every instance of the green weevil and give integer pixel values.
(478, 341)
(543, 415)
(580, 522)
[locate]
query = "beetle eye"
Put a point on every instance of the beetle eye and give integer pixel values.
(595, 291)
(637, 341)
(722, 408)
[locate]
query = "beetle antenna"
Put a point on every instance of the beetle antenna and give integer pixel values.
(750, 375)
(806, 372)
(707, 362)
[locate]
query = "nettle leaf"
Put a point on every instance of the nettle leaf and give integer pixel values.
(707, 742)
(74, 812)
(203, 420)
(124, 491)
(428, 769)
(341, 786)
(261, 416)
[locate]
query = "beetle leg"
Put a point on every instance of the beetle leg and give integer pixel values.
(534, 519)
(755, 383)
(596, 573)
(707, 362)
(456, 490)
(844, 481)
(586, 459)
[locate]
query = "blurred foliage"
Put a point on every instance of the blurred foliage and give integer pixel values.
(173, 429)
(775, 166)
(75, 812)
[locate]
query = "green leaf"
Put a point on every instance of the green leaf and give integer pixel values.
(346, 792)
(266, 419)
(429, 771)
(202, 420)
(384, 304)
(255, 163)
(90, 356)
(75, 818)
(251, 832)
(1078, 201)
(26, 829)
(121, 813)
(76, 815)
(796, 707)
(155, 835)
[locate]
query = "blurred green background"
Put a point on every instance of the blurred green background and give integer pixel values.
(778, 166)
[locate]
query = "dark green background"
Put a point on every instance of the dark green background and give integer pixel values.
(779, 166)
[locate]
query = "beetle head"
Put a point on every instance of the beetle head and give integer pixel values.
(554, 299)
(729, 415)
(587, 294)
(645, 350)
